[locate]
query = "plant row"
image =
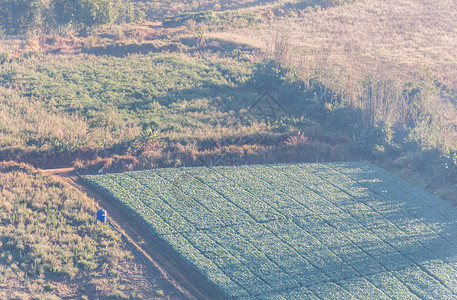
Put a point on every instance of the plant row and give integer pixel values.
(286, 231)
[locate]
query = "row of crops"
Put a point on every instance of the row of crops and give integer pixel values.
(299, 231)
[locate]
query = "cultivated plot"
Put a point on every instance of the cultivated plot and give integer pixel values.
(295, 231)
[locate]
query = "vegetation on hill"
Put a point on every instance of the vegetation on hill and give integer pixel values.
(29, 126)
(171, 99)
(379, 58)
(51, 246)
(26, 16)
(106, 116)
(227, 82)
(390, 39)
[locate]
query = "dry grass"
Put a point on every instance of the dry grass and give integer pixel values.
(9, 43)
(393, 37)
(158, 9)
(50, 245)
(380, 46)
(26, 123)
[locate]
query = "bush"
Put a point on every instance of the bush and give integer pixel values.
(82, 13)
(182, 19)
(20, 16)
(375, 139)
(23, 16)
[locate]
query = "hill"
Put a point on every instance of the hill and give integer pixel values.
(352, 92)
(396, 39)
(209, 83)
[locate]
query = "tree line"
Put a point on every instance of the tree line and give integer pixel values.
(24, 16)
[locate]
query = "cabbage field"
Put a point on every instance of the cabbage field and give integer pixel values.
(299, 231)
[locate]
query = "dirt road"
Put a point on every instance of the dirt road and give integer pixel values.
(137, 236)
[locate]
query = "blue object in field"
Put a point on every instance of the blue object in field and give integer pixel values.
(101, 215)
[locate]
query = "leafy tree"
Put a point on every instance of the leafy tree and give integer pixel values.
(198, 30)
(20, 16)
(126, 12)
(148, 138)
(82, 13)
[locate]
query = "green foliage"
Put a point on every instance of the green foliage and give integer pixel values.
(29, 126)
(375, 139)
(198, 30)
(82, 13)
(426, 120)
(148, 138)
(70, 103)
(297, 230)
(313, 99)
(321, 3)
(118, 295)
(126, 12)
(4, 57)
(23, 16)
(91, 98)
(182, 19)
(236, 19)
(214, 21)
(110, 89)
(20, 16)
(268, 75)
(66, 146)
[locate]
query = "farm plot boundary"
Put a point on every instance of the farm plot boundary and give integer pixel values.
(138, 232)
(290, 230)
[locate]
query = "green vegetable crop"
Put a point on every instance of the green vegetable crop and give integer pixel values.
(299, 231)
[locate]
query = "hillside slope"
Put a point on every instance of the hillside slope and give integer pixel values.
(390, 38)
(51, 247)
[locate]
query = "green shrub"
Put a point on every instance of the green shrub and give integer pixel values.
(118, 295)
(20, 16)
(82, 13)
(182, 19)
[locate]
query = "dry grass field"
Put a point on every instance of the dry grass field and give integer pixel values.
(51, 248)
(385, 38)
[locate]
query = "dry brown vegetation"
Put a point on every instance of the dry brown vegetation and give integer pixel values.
(26, 122)
(367, 51)
(376, 54)
(392, 38)
(50, 246)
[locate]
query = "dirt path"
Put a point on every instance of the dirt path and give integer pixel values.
(137, 236)
(57, 171)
